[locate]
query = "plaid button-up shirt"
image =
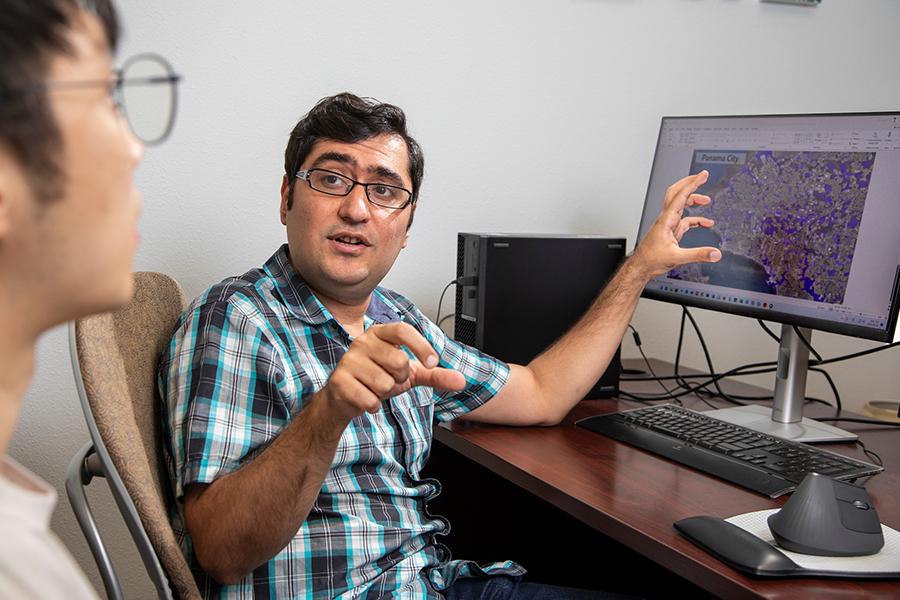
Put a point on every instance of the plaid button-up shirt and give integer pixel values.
(246, 357)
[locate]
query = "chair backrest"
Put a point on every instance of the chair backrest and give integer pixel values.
(117, 356)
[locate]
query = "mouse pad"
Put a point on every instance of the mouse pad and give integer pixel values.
(885, 563)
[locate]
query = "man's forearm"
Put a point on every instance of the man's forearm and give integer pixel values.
(243, 519)
(545, 390)
(570, 367)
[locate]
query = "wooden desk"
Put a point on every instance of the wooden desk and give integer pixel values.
(630, 499)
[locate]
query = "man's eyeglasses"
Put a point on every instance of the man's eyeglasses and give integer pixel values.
(144, 89)
(335, 184)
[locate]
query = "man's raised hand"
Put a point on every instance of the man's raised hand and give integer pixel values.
(659, 251)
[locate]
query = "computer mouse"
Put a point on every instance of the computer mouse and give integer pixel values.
(825, 517)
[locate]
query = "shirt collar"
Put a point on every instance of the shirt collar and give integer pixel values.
(302, 302)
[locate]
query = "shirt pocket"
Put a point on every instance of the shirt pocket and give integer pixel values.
(412, 414)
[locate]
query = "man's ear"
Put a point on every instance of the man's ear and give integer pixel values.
(9, 174)
(285, 198)
(412, 213)
(5, 218)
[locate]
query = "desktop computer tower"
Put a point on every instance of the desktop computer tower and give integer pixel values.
(516, 294)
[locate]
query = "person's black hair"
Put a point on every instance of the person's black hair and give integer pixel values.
(349, 119)
(32, 32)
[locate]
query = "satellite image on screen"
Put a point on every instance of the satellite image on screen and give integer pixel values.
(786, 222)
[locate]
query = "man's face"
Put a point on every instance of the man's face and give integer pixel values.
(343, 246)
(81, 245)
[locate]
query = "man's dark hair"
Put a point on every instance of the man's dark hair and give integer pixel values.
(349, 119)
(32, 32)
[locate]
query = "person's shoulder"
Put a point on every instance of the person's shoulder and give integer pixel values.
(248, 286)
(255, 290)
(246, 296)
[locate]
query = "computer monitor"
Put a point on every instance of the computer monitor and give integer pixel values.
(806, 209)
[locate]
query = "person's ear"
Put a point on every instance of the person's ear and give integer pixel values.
(5, 219)
(412, 213)
(8, 175)
(285, 199)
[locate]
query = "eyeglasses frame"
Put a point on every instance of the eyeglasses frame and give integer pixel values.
(304, 175)
(115, 85)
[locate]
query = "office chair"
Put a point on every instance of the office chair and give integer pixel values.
(115, 358)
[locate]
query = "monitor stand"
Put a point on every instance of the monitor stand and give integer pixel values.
(785, 418)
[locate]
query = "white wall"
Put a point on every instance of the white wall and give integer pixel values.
(535, 116)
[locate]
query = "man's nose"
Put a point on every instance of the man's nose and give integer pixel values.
(355, 206)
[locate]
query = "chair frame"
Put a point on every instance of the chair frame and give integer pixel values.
(91, 461)
(114, 357)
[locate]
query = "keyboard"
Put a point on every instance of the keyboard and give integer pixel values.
(757, 461)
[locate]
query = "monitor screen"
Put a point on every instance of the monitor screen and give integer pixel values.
(807, 216)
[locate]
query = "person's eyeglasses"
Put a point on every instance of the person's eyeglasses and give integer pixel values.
(335, 184)
(144, 89)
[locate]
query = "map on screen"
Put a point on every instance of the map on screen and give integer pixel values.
(786, 221)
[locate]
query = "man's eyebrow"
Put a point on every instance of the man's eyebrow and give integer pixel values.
(339, 157)
(387, 174)
(346, 159)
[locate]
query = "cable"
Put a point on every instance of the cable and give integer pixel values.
(712, 369)
(829, 361)
(713, 378)
(441, 301)
(683, 383)
(469, 280)
(807, 343)
(834, 390)
(700, 388)
(856, 420)
(874, 456)
(637, 342)
(769, 331)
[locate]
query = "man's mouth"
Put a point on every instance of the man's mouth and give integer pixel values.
(346, 239)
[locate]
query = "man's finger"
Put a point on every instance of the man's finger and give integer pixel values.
(691, 222)
(681, 191)
(404, 334)
(440, 378)
(705, 254)
(350, 394)
(698, 199)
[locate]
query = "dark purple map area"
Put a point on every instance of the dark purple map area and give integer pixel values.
(786, 222)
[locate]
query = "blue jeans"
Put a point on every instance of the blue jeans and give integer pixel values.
(511, 588)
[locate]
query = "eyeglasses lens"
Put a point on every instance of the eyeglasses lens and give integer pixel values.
(148, 98)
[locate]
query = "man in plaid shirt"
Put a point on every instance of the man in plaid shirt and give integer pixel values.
(301, 396)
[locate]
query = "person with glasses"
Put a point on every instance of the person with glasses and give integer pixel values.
(300, 396)
(68, 210)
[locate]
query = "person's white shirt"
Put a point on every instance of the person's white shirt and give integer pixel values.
(34, 564)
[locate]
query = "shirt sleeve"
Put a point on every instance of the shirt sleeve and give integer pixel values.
(485, 375)
(222, 380)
